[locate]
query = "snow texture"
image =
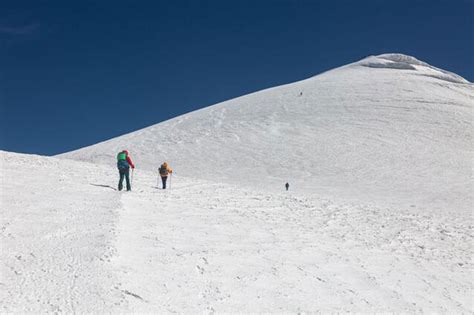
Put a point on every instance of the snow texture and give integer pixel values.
(377, 219)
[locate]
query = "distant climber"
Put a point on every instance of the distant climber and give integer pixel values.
(123, 164)
(287, 186)
(301, 94)
(164, 171)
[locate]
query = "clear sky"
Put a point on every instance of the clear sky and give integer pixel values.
(73, 73)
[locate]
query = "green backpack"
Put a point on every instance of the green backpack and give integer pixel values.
(121, 156)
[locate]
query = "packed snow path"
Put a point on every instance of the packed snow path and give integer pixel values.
(72, 243)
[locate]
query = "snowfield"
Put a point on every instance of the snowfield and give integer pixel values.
(71, 243)
(378, 217)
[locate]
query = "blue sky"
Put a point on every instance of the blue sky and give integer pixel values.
(73, 73)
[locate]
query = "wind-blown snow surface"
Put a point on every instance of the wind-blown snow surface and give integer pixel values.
(71, 243)
(388, 129)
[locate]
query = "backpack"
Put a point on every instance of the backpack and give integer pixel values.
(163, 171)
(121, 156)
(123, 165)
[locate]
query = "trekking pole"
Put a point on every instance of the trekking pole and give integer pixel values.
(171, 175)
(132, 175)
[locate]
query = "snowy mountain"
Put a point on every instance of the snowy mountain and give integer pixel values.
(388, 129)
(378, 217)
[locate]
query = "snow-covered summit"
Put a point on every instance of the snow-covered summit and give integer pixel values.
(389, 128)
(398, 58)
(405, 62)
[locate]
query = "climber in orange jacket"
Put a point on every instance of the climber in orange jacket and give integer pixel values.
(164, 170)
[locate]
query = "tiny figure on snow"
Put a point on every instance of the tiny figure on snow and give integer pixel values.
(124, 162)
(164, 171)
(287, 186)
(301, 94)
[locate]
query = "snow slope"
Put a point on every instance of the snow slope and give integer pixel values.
(71, 243)
(378, 218)
(388, 129)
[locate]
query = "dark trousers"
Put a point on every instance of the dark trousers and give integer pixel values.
(124, 173)
(163, 180)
